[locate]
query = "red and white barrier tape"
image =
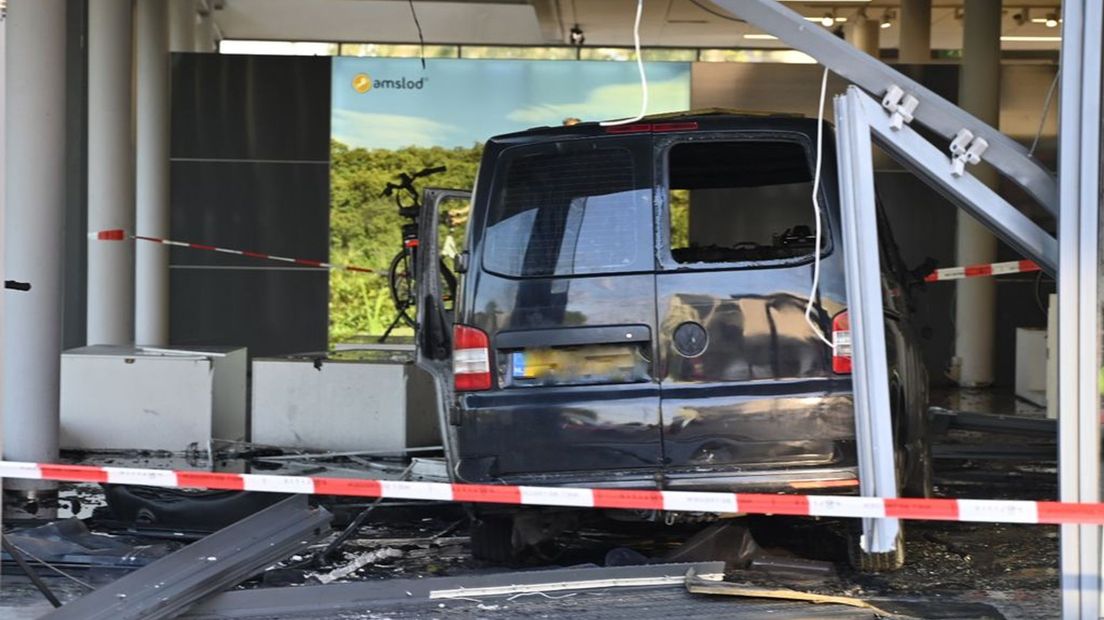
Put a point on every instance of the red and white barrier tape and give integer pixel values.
(981, 510)
(119, 234)
(977, 271)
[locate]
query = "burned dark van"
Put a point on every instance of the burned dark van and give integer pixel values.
(631, 314)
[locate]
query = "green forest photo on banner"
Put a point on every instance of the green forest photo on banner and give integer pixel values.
(391, 116)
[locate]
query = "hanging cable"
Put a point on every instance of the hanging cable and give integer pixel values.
(816, 214)
(640, 67)
(705, 8)
(418, 24)
(1046, 112)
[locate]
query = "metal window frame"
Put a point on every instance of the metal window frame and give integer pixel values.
(861, 121)
(870, 375)
(1011, 158)
(1079, 320)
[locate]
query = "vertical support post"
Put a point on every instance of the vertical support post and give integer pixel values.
(110, 171)
(975, 299)
(3, 150)
(34, 197)
(915, 41)
(870, 376)
(205, 29)
(151, 260)
(182, 25)
(1079, 322)
(865, 34)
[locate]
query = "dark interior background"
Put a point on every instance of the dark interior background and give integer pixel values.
(250, 170)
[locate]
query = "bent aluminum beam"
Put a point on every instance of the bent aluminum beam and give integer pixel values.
(1005, 154)
(873, 423)
(925, 160)
(177, 581)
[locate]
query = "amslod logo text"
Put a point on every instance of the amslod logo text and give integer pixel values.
(362, 83)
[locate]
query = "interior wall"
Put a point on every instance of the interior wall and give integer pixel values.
(250, 170)
(922, 220)
(75, 288)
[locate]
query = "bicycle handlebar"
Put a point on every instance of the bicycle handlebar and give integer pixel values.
(406, 181)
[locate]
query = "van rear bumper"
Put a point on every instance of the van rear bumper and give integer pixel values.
(817, 480)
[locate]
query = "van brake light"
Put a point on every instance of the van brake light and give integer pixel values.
(841, 343)
(471, 359)
(653, 127)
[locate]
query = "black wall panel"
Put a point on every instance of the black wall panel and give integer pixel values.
(250, 170)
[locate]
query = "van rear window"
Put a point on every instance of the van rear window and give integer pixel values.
(740, 201)
(568, 211)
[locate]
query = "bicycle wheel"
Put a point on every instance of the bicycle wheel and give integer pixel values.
(400, 278)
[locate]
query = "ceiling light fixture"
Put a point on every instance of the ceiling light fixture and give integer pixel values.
(760, 37)
(887, 19)
(828, 20)
(1030, 39)
(1051, 20)
(577, 36)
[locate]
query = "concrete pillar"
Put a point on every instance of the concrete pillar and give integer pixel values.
(151, 113)
(864, 34)
(182, 25)
(205, 40)
(34, 197)
(915, 31)
(979, 94)
(3, 165)
(110, 171)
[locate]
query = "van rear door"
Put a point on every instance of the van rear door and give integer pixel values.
(434, 317)
(745, 381)
(563, 285)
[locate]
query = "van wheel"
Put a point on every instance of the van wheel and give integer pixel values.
(492, 540)
(921, 482)
(875, 562)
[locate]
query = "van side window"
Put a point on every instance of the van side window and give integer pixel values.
(740, 201)
(564, 211)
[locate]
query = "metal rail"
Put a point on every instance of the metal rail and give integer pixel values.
(422, 596)
(174, 583)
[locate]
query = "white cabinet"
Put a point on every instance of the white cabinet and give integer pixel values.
(127, 398)
(371, 401)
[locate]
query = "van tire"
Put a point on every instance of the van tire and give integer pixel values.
(492, 540)
(875, 562)
(921, 482)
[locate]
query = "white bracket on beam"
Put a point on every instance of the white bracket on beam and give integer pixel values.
(966, 148)
(900, 105)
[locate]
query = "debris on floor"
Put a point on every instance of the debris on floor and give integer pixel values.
(971, 569)
(69, 543)
(359, 562)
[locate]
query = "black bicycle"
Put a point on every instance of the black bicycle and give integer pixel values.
(401, 274)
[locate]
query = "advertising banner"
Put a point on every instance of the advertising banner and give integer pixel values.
(390, 116)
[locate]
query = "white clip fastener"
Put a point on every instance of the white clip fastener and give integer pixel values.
(900, 106)
(966, 149)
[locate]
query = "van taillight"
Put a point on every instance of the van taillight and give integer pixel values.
(471, 359)
(841, 343)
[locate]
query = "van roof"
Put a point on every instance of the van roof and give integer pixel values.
(707, 119)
